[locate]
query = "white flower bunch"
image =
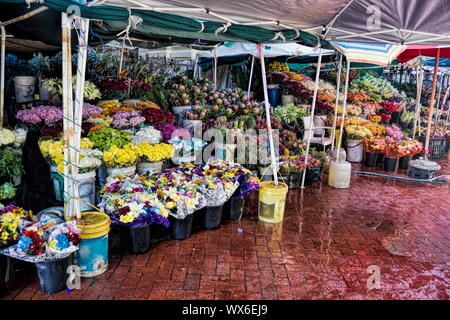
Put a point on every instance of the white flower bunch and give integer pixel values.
(147, 134)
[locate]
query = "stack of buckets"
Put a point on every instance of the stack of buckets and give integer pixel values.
(92, 257)
(272, 198)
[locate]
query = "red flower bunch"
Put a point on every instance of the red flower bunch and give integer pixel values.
(113, 84)
(385, 117)
(324, 107)
(37, 244)
(157, 116)
(52, 131)
(389, 106)
(276, 77)
(298, 90)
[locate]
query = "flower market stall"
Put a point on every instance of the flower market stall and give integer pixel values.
(146, 147)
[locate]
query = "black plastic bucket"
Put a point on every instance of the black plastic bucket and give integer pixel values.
(390, 164)
(211, 217)
(403, 162)
(181, 229)
(371, 159)
(395, 116)
(234, 208)
(139, 239)
(53, 275)
(7, 270)
(380, 158)
(295, 180)
(311, 176)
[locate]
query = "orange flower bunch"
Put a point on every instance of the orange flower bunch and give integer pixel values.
(324, 97)
(295, 76)
(114, 110)
(375, 128)
(140, 105)
(374, 144)
(357, 97)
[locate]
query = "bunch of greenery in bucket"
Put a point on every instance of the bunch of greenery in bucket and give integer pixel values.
(291, 115)
(106, 138)
(90, 93)
(11, 218)
(10, 163)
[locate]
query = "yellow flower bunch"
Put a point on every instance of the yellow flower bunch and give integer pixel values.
(278, 66)
(108, 105)
(53, 150)
(375, 128)
(295, 76)
(357, 132)
(354, 110)
(121, 157)
(156, 152)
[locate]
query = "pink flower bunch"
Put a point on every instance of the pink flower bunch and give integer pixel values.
(312, 162)
(167, 130)
(394, 133)
(38, 116)
(90, 110)
(126, 119)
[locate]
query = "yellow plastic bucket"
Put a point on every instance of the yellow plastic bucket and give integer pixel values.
(92, 257)
(272, 199)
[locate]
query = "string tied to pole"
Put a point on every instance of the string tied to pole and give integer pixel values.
(223, 28)
(133, 23)
(297, 34)
(279, 35)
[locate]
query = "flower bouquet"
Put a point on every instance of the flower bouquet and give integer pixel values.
(147, 134)
(106, 138)
(7, 137)
(11, 218)
(186, 150)
(127, 120)
(113, 88)
(157, 116)
(151, 156)
(63, 238)
(124, 157)
(37, 117)
(108, 105)
(357, 132)
(375, 144)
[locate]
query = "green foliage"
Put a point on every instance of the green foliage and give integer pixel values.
(10, 163)
(107, 137)
(7, 191)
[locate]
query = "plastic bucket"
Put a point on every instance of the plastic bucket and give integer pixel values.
(211, 217)
(92, 257)
(295, 180)
(138, 239)
(339, 175)
(234, 208)
(58, 183)
(355, 150)
(127, 171)
(181, 229)
(319, 121)
(179, 113)
(7, 270)
(370, 159)
(150, 167)
(53, 275)
(24, 87)
(271, 201)
(311, 176)
(403, 162)
(390, 164)
(274, 96)
(86, 189)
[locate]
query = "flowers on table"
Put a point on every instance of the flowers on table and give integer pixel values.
(11, 218)
(155, 153)
(39, 116)
(105, 138)
(357, 132)
(116, 157)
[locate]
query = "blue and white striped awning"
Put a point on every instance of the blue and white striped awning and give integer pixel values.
(373, 53)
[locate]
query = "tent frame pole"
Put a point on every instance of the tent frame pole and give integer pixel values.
(439, 109)
(418, 96)
(250, 77)
(2, 77)
(267, 108)
(430, 111)
(121, 58)
(338, 84)
(67, 109)
(313, 108)
(344, 109)
(215, 70)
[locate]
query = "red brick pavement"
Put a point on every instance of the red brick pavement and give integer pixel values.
(322, 250)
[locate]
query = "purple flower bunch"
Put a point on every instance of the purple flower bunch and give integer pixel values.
(394, 132)
(41, 115)
(90, 110)
(167, 130)
(127, 119)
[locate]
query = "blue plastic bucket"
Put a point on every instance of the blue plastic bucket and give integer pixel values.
(92, 256)
(274, 96)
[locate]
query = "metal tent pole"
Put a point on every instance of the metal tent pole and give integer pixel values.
(215, 70)
(338, 84)
(313, 108)
(344, 108)
(439, 109)
(267, 108)
(250, 78)
(430, 111)
(439, 95)
(121, 58)
(2, 78)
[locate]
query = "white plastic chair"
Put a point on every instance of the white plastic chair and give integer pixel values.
(322, 140)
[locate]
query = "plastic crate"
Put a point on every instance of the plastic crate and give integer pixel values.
(437, 147)
(422, 169)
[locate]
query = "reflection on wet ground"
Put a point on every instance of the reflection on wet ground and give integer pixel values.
(322, 250)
